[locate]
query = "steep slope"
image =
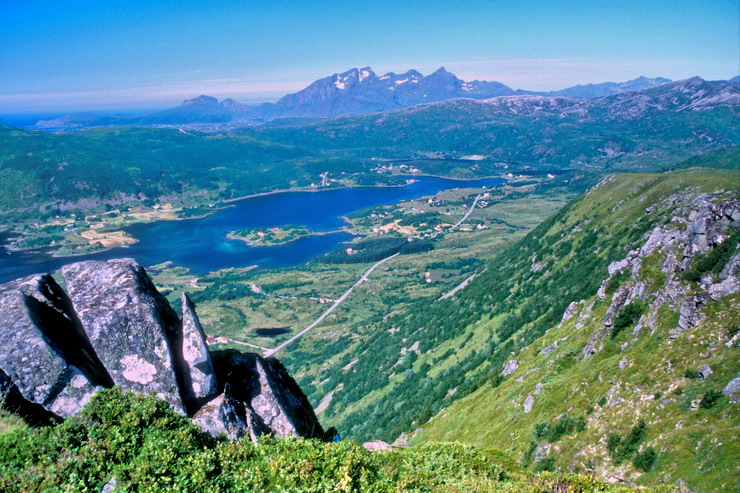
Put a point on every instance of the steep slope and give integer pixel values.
(127, 442)
(639, 381)
(414, 363)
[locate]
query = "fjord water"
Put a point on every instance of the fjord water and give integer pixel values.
(201, 244)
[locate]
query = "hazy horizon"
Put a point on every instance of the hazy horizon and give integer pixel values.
(78, 55)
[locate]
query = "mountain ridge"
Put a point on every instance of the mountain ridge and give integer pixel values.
(355, 91)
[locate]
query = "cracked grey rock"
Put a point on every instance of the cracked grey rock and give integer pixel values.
(570, 311)
(273, 402)
(222, 416)
(620, 298)
(116, 328)
(732, 389)
(509, 367)
(731, 268)
(665, 402)
(552, 347)
(46, 356)
(730, 285)
(528, 403)
(690, 313)
(200, 372)
(705, 371)
(131, 326)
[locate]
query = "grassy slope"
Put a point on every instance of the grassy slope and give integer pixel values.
(694, 446)
(724, 158)
(464, 340)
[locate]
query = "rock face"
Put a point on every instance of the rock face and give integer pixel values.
(46, 355)
(259, 391)
(131, 326)
(694, 230)
(115, 328)
(202, 377)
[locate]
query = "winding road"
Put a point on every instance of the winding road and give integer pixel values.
(339, 301)
(363, 278)
(470, 211)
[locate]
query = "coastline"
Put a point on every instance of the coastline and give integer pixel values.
(312, 190)
(43, 250)
(231, 236)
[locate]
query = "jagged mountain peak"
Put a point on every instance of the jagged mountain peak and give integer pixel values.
(441, 70)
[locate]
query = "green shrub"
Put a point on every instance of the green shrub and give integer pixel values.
(617, 280)
(628, 316)
(644, 460)
(496, 379)
(145, 446)
(612, 443)
(621, 449)
(714, 260)
(710, 398)
(552, 432)
(546, 464)
(690, 373)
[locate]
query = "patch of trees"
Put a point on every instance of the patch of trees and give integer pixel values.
(375, 249)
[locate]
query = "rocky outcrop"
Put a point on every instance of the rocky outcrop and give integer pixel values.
(115, 328)
(509, 367)
(46, 356)
(200, 372)
(223, 415)
(377, 446)
(271, 399)
(131, 326)
(696, 229)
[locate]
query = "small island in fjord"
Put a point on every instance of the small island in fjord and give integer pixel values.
(279, 235)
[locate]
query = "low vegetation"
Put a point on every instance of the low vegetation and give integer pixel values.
(136, 443)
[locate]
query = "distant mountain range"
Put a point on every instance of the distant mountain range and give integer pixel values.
(356, 91)
(620, 129)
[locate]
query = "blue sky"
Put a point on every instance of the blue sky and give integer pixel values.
(106, 54)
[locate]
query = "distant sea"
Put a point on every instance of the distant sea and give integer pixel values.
(26, 120)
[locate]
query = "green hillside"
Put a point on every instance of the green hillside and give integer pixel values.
(461, 343)
(49, 183)
(649, 405)
(723, 158)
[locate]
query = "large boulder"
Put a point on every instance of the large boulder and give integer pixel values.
(46, 358)
(131, 326)
(268, 399)
(223, 415)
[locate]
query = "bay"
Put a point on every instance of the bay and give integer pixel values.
(201, 245)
